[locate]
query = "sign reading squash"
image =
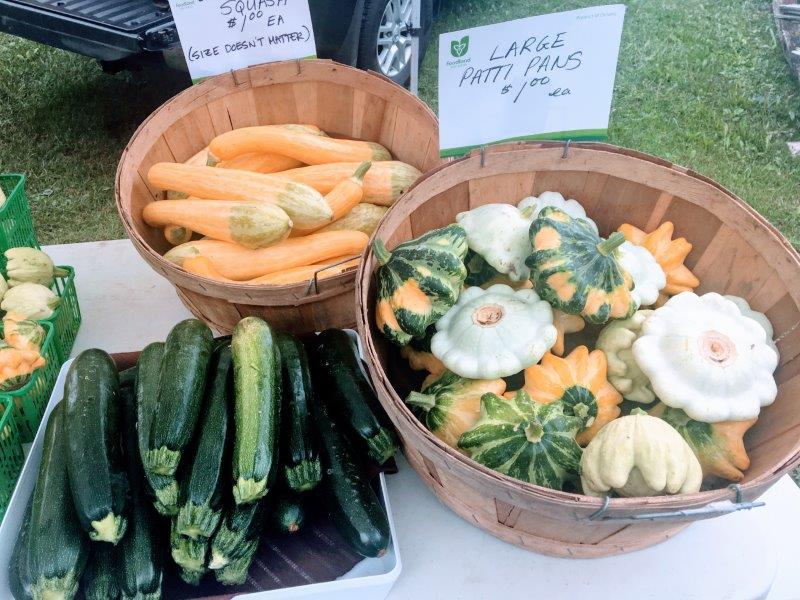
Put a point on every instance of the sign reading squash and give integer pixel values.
(222, 35)
(546, 77)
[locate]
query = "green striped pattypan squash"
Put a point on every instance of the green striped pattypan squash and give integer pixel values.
(572, 207)
(494, 333)
(499, 234)
(704, 357)
(759, 317)
(525, 440)
(449, 404)
(718, 446)
(648, 276)
(418, 282)
(639, 455)
(616, 340)
(577, 271)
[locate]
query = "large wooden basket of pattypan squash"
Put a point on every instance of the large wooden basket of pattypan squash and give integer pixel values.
(584, 349)
(306, 156)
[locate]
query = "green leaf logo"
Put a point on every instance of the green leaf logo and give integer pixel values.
(459, 48)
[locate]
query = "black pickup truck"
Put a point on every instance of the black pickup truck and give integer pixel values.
(123, 34)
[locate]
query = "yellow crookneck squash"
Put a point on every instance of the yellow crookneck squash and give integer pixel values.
(669, 254)
(579, 381)
(718, 446)
(449, 405)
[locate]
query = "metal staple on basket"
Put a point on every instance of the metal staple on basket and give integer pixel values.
(314, 281)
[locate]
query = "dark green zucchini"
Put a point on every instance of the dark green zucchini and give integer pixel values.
(128, 376)
(238, 534)
(148, 371)
(287, 513)
(347, 494)
(18, 580)
(338, 370)
(207, 476)
(180, 394)
(142, 564)
(257, 392)
(57, 547)
(235, 573)
(101, 578)
(94, 460)
(299, 445)
(187, 553)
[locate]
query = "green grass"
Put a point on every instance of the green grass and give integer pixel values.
(701, 83)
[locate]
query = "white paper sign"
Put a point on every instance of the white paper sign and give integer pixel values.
(546, 77)
(220, 35)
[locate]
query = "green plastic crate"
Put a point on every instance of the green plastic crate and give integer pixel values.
(31, 399)
(16, 225)
(11, 455)
(66, 319)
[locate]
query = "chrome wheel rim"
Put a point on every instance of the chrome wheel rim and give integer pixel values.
(394, 37)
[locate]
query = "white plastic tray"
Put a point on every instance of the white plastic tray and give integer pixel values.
(371, 579)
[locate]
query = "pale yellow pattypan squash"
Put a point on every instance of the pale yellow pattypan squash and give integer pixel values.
(759, 317)
(494, 333)
(499, 234)
(616, 340)
(29, 265)
(704, 357)
(648, 276)
(572, 207)
(30, 301)
(639, 455)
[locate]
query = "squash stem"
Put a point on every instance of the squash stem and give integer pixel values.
(425, 401)
(614, 241)
(362, 170)
(381, 252)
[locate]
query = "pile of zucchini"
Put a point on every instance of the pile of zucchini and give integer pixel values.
(199, 449)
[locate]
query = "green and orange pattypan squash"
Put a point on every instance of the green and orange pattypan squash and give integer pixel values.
(448, 404)
(418, 282)
(419, 356)
(578, 382)
(524, 439)
(577, 271)
(718, 446)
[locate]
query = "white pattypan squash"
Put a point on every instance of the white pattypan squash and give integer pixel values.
(29, 265)
(648, 276)
(639, 455)
(499, 234)
(572, 207)
(759, 317)
(30, 301)
(494, 333)
(616, 340)
(704, 357)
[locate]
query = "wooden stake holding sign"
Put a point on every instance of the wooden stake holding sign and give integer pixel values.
(545, 77)
(218, 36)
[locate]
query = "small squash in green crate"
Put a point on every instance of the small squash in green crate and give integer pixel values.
(17, 366)
(419, 281)
(577, 271)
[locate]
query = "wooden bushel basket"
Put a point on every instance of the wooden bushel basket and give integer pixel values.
(735, 252)
(341, 100)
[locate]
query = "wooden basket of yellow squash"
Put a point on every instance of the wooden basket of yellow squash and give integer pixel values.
(255, 192)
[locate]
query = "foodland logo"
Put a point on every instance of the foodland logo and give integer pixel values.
(458, 49)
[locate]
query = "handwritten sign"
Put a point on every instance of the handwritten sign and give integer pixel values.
(220, 35)
(546, 77)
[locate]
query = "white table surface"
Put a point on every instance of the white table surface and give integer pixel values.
(751, 554)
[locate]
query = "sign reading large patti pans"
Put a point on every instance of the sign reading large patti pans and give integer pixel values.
(221, 35)
(545, 77)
